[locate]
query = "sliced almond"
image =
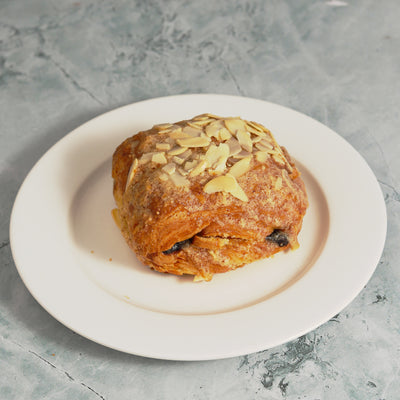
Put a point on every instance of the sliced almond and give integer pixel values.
(185, 154)
(163, 146)
(182, 171)
(178, 160)
(245, 140)
(146, 157)
(256, 139)
(257, 127)
(267, 142)
(242, 154)
(234, 146)
(261, 156)
(210, 116)
(261, 146)
(159, 158)
(131, 173)
(255, 131)
(162, 126)
(228, 184)
(220, 164)
(202, 121)
(177, 150)
(234, 125)
(169, 168)
(278, 159)
(178, 134)
(178, 179)
(163, 176)
(190, 165)
(194, 141)
(217, 155)
(241, 167)
(201, 117)
(213, 128)
(192, 131)
(200, 167)
(224, 134)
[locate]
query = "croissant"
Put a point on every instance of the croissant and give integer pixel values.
(206, 195)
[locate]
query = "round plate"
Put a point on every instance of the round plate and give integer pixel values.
(74, 261)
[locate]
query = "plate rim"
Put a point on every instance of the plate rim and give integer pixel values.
(196, 355)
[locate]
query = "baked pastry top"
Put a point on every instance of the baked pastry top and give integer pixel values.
(206, 195)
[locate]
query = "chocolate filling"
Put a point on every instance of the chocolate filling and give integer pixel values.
(279, 237)
(177, 246)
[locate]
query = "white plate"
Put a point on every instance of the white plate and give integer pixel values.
(75, 263)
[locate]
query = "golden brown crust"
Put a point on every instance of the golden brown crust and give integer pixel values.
(164, 197)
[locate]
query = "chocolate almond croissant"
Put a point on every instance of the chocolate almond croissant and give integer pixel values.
(206, 195)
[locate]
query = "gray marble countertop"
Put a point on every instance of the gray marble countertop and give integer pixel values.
(64, 62)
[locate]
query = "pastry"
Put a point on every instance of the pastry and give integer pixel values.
(206, 195)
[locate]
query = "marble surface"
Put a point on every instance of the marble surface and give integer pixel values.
(64, 62)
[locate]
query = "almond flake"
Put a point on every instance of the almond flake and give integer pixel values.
(257, 127)
(191, 131)
(256, 139)
(177, 150)
(210, 116)
(255, 131)
(234, 125)
(224, 134)
(159, 158)
(182, 171)
(178, 160)
(242, 154)
(278, 159)
(131, 173)
(166, 130)
(267, 143)
(162, 126)
(220, 164)
(241, 167)
(245, 140)
(228, 184)
(194, 141)
(178, 179)
(146, 157)
(202, 122)
(163, 146)
(217, 155)
(201, 117)
(213, 128)
(185, 154)
(163, 176)
(178, 134)
(169, 168)
(261, 156)
(201, 166)
(189, 165)
(261, 146)
(234, 146)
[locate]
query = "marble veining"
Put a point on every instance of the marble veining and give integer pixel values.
(62, 63)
